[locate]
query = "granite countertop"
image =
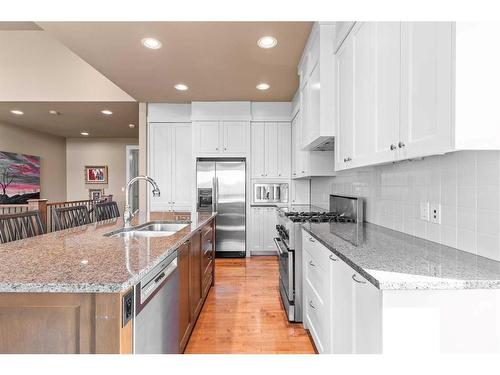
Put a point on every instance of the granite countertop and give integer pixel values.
(392, 260)
(82, 260)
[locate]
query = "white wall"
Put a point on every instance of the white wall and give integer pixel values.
(52, 152)
(466, 184)
(97, 151)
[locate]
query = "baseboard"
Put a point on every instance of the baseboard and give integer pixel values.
(260, 253)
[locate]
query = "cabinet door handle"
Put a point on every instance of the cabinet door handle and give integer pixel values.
(217, 149)
(348, 159)
(358, 281)
(303, 171)
(393, 147)
(332, 258)
(311, 239)
(312, 264)
(312, 306)
(401, 144)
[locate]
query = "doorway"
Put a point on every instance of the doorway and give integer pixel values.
(132, 158)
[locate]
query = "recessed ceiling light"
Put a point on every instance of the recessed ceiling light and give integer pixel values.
(17, 112)
(181, 87)
(262, 86)
(267, 42)
(54, 112)
(151, 43)
(106, 112)
(84, 133)
(131, 126)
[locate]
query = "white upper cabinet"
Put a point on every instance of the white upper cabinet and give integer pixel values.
(208, 139)
(221, 128)
(317, 73)
(221, 137)
(235, 137)
(426, 88)
(170, 165)
(394, 92)
(271, 153)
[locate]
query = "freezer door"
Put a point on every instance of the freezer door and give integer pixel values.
(231, 208)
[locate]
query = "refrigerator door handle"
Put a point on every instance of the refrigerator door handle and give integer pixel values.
(216, 192)
(214, 205)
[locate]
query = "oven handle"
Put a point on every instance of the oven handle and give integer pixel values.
(277, 242)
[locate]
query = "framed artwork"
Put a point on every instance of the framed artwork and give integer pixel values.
(96, 194)
(19, 178)
(96, 174)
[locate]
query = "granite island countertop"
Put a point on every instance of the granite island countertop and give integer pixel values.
(392, 260)
(82, 260)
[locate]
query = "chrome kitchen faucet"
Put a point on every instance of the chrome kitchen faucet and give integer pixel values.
(127, 214)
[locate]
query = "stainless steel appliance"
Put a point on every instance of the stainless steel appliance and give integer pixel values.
(156, 324)
(343, 209)
(270, 193)
(221, 187)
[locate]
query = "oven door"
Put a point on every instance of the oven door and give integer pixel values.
(286, 269)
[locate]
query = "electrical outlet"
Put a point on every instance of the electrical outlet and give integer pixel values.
(424, 211)
(436, 213)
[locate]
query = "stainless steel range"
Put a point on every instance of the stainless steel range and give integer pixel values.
(343, 209)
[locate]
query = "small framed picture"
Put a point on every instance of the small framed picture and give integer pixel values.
(96, 194)
(96, 174)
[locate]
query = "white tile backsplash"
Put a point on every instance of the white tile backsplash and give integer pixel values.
(465, 183)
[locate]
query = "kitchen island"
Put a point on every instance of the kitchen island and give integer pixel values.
(62, 292)
(369, 289)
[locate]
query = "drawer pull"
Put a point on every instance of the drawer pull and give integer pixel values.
(311, 263)
(332, 258)
(312, 306)
(358, 281)
(311, 239)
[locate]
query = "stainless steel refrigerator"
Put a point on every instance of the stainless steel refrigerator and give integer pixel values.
(220, 187)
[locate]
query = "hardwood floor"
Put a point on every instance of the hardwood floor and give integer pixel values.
(243, 312)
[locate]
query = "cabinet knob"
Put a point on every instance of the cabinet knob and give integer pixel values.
(333, 258)
(312, 306)
(312, 264)
(217, 149)
(311, 239)
(295, 174)
(348, 159)
(393, 147)
(358, 281)
(279, 174)
(303, 171)
(225, 148)
(401, 144)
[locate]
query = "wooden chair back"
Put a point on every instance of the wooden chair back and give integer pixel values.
(18, 226)
(70, 217)
(106, 210)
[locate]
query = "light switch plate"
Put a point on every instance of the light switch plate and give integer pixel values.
(424, 211)
(435, 211)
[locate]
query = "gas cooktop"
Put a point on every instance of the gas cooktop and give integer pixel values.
(319, 217)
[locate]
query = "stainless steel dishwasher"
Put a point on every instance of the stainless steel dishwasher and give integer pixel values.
(156, 325)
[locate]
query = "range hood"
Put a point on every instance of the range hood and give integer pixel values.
(322, 144)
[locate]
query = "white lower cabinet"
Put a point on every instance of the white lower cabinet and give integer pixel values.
(342, 310)
(262, 229)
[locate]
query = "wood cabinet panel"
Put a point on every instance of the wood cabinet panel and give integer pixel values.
(195, 288)
(185, 321)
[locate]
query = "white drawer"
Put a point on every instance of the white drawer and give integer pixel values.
(317, 274)
(317, 319)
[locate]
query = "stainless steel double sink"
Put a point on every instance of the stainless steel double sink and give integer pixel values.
(151, 229)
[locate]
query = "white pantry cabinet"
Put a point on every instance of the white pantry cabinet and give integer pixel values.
(394, 92)
(271, 149)
(263, 222)
(221, 137)
(170, 165)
